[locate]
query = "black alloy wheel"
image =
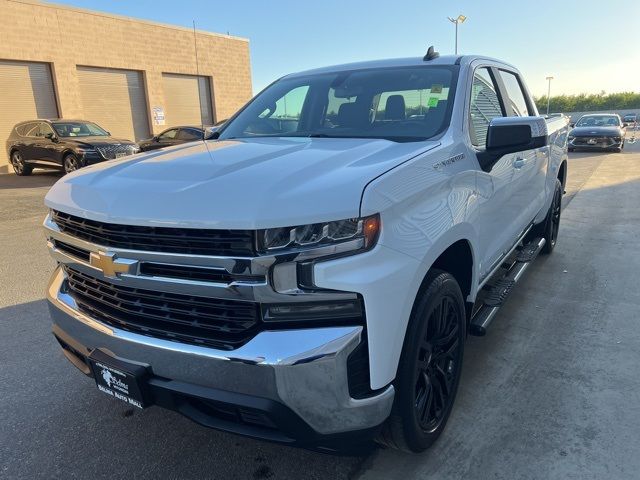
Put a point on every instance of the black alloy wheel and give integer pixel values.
(551, 226)
(430, 366)
(438, 365)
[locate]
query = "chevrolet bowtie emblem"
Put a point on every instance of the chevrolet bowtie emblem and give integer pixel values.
(110, 265)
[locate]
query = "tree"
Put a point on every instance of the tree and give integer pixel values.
(589, 102)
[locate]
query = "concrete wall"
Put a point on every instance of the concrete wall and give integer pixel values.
(67, 37)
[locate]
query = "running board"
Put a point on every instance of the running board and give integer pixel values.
(500, 290)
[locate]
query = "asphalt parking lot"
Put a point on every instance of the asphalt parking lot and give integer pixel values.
(553, 391)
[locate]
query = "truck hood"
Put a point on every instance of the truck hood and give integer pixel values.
(235, 184)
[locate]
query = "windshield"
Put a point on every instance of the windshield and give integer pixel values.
(79, 129)
(399, 104)
(599, 121)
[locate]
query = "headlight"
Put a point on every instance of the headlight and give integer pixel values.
(85, 150)
(274, 240)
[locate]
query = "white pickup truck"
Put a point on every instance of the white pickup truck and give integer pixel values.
(310, 275)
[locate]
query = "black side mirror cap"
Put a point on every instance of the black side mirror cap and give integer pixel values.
(507, 135)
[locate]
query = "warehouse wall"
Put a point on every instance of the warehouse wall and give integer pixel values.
(68, 37)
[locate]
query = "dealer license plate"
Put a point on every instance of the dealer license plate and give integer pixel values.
(119, 379)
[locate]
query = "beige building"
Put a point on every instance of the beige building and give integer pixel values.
(132, 77)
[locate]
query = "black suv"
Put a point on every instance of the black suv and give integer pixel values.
(62, 144)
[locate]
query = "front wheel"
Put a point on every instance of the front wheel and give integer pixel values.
(20, 168)
(71, 163)
(430, 366)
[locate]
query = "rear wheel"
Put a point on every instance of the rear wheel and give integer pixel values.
(71, 163)
(19, 166)
(430, 366)
(551, 226)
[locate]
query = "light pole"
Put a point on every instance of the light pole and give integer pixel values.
(549, 78)
(456, 21)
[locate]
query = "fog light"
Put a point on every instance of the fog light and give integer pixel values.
(337, 310)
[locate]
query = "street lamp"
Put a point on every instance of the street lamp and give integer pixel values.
(456, 21)
(549, 93)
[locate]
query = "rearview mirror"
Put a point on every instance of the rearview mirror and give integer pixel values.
(510, 135)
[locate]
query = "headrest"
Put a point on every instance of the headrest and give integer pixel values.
(348, 115)
(395, 108)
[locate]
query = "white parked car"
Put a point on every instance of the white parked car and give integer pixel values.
(310, 275)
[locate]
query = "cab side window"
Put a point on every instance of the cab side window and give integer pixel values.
(169, 134)
(485, 106)
(45, 129)
(189, 134)
(33, 130)
(517, 105)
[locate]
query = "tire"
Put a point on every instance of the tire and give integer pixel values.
(430, 366)
(71, 163)
(551, 226)
(20, 168)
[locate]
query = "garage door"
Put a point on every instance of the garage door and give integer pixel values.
(26, 93)
(115, 100)
(187, 100)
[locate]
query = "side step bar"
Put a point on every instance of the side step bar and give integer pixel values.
(500, 289)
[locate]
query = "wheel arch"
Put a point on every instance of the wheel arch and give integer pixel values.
(562, 174)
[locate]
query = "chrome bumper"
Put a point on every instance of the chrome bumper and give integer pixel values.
(305, 369)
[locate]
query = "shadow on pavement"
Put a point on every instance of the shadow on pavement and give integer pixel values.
(39, 178)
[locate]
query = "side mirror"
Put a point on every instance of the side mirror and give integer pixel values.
(155, 138)
(572, 125)
(510, 135)
(51, 136)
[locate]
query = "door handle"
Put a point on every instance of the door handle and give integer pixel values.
(519, 162)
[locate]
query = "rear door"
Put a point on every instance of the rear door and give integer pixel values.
(32, 142)
(48, 147)
(528, 195)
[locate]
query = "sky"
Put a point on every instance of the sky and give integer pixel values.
(586, 45)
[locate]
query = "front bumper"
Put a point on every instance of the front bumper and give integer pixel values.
(289, 386)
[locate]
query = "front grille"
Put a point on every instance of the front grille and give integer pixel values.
(599, 141)
(109, 152)
(223, 324)
(193, 241)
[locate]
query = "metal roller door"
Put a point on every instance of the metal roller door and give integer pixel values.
(187, 100)
(115, 100)
(26, 93)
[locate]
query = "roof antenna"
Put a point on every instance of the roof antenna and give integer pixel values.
(195, 47)
(431, 54)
